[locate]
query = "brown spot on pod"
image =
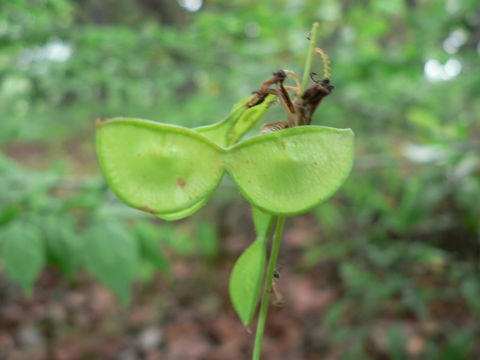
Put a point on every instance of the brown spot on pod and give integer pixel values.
(147, 209)
(181, 182)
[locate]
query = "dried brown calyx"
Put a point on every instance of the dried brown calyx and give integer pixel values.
(300, 110)
(311, 98)
(265, 90)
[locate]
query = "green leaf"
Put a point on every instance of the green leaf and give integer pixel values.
(247, 120)
(181, 239)
(64, 246)
(228, 131)
(246, 281)
(155, 167)
(8, 214)
(262, 222)
(150, 238)
(112, 256)
(207, 238)
(219, 132)
(293, 170)
(23, 253)
(247, 274)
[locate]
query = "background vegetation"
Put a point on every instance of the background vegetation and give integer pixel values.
(388, 269)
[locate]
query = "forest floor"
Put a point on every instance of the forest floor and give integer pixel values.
(188, 315)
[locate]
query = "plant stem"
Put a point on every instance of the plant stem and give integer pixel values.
(308, 60)
(262, 317)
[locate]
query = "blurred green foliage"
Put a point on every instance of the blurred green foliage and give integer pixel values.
(407, 82)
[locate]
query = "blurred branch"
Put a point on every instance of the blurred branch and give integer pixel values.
(168, 12)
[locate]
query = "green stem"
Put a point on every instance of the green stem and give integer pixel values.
(262, 317)
(308, 60)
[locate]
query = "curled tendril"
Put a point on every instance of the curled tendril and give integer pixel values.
(313, 77)
(294, 77)
(325, 61)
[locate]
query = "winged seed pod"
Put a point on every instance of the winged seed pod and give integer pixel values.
(165, 169)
